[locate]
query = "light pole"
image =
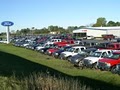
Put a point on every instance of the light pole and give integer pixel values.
(8, 34)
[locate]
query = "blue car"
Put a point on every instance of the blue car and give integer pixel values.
(57, 53)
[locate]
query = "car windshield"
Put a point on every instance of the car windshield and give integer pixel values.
(67, 49)
(62, 48)
(101, 45)
(41, 44)
(96, 54)
(71, 49)
(86, 52)
(82, 52)
(114, 56)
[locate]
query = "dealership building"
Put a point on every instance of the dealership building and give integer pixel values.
(96, 31)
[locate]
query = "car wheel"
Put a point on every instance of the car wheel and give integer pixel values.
(80, 64)
(69, 58)
(113, 70)
(95, 66)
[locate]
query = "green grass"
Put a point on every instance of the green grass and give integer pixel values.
(22, 63)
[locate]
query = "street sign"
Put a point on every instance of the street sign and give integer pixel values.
(7, 23)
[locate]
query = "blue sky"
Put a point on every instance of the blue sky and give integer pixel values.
(64, 13)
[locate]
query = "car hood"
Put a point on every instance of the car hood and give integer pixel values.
(52, 50)
(67, 52)
(59, 51)
(93, 59)
(76, 56)
(44, 48)
(108, 60)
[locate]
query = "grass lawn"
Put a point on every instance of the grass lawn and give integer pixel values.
(24, 62)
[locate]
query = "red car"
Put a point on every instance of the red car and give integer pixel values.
(57, 47)
(110, 62)
(114, 46)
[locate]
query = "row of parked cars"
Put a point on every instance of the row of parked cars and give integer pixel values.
(103, 55)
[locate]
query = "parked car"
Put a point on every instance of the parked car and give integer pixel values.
(71, 52)
(110, 62)
(58, 52)
(117, 69)
(78, 59)
(91, 61)
(44, 50)
(55, 48)
(42, 45)
(108, 36)
(113, 46)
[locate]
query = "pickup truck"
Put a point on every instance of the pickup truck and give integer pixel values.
(65, 42)
(110, 62)
(77, 59)
(71, 52)
(91, 61)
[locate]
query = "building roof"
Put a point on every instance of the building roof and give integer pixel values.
(96, 28)
(104, 28)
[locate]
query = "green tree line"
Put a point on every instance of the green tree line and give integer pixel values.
(51, 28)
(100, 22)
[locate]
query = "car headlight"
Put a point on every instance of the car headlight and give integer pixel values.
(56, 53)
(90, 61)
(108, 64)
(64, 54)
(42, 50)
(76, 60)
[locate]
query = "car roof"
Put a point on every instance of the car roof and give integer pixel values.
(78, 46)
(116, 51)
(102, 50)
(90, 49)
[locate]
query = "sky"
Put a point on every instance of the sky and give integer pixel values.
(63, 13)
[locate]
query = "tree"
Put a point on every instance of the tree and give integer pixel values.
(100, 22)
(25, 31)
(117, 24)
(12, 32)
(111, 23)
(18, 32)
(51, 28)
(72, 28)
(44, 31)
(33, 28)
(81, 27)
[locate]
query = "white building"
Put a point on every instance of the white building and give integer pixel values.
(97, 31)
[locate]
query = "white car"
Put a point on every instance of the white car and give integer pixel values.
(42, 46)
(71, 52)
(91, 61)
